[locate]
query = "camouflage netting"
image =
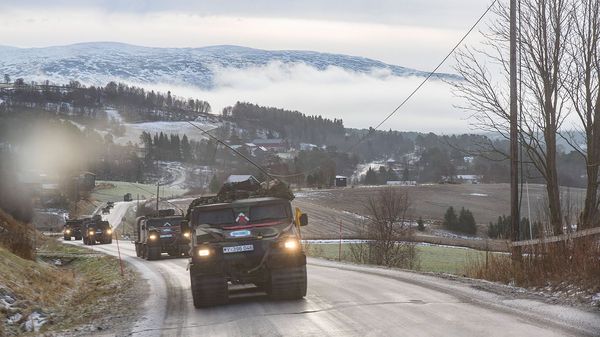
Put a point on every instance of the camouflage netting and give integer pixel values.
(243, 190)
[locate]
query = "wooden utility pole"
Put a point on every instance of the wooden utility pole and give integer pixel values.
(157, 196)
(514, 134)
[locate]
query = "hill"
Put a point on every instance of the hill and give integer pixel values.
(97, 63)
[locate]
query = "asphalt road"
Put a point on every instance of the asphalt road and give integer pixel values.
(346, 300)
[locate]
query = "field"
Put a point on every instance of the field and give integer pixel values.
(486, 201)
(120, 188)
(437, 259)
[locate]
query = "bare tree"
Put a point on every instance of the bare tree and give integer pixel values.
(544, 29)
(582, 83)
(388, 231)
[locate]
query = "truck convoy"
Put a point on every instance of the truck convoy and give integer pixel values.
(95, 230)
(247, 234)
(72, 228)
(165, 233)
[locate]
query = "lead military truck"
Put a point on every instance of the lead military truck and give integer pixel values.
(246, 235)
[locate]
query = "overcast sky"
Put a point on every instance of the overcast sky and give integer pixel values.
(410, 33)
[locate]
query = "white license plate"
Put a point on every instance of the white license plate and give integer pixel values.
(238, 249)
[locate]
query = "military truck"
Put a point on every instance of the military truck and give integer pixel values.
(72, 228)
(252, 240)
(165, 233)
(95, 230)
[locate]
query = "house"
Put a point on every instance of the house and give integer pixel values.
(87, 181)
(276, 144)
(468, 178)
(341, 181)
(307, 147)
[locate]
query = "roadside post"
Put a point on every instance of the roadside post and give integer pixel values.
(340, 245)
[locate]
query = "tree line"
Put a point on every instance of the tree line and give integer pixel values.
(134, 103)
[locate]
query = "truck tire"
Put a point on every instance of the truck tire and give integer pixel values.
(287, 283)
(78, 238)
(67, 238)
(209, 290)
(153, 253)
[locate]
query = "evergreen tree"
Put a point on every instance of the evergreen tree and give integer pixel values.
(186, 150)
(450, 219)
(466, 222)
(420, 225)
(406, 174)
(371, 177)
(214, 185)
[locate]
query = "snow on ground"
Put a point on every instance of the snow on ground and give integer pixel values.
(448, 234)
(112, 113)
(478, 194)
(361, 169)
(134, 130)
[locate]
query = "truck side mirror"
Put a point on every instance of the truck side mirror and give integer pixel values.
(303, 219)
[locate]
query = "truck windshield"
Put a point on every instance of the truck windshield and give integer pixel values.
(269, 212)
(217, 217)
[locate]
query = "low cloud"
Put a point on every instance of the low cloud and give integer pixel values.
(361, 100)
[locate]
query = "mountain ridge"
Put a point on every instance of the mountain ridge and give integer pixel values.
(96, 63)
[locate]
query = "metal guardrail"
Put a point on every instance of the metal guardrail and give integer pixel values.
(558, 238)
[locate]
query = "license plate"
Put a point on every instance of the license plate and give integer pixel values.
(166, 235)
(238, 249)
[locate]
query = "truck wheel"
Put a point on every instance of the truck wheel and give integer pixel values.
(287, 283)
(138, 250)
(209, 290)
(67, 238)
(153, 253)
(85, 241)
(109, 241)
(78, 238)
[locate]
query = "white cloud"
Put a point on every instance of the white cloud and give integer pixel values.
(361, 100)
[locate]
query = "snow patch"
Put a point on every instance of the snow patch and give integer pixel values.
(478, 194)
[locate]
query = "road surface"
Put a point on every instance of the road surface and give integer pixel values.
(347, 300)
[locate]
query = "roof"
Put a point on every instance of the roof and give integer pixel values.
(237, 178)
(268, 141)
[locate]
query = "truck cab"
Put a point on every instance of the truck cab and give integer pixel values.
(166, 233)
(72, 229)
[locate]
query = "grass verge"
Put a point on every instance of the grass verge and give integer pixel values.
(437, 259)
(73, 290)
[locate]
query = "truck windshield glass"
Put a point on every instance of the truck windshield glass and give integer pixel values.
(217, 217)
(269, 212)
(168, 222)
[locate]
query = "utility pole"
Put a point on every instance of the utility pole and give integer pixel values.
(157, 195)
(514, 134)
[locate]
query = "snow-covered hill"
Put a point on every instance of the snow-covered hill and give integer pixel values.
(99, 62)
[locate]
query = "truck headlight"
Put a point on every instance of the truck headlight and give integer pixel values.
(291, 244)
(68, 231)
(109, 231)
(91, 232)
(186, 235)
(203, 252)
(152, 236)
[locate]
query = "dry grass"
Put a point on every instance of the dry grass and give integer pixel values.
(17, 237)
(80, 291)
(576, 262)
